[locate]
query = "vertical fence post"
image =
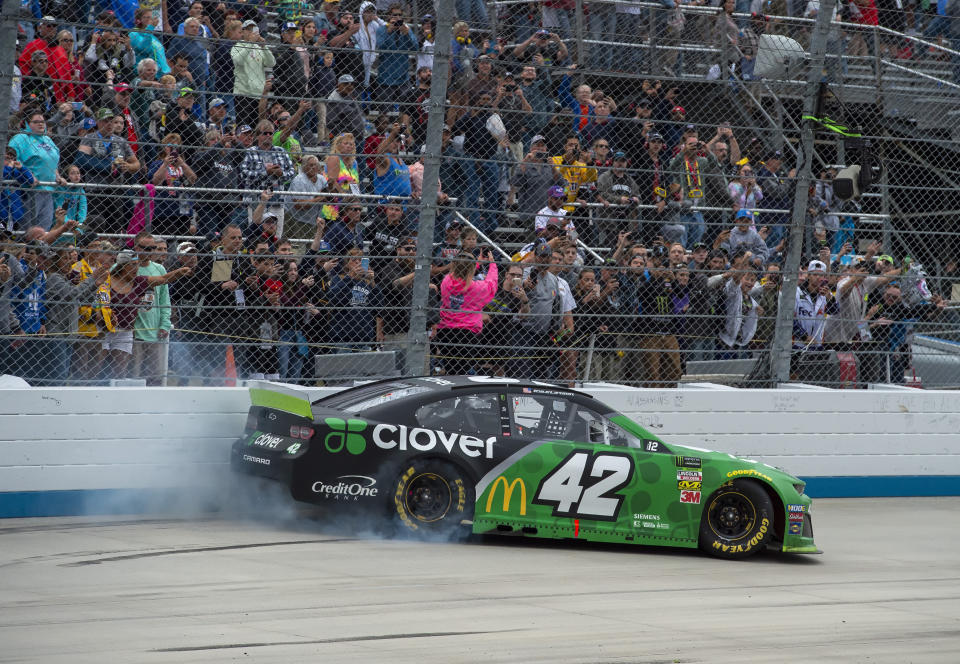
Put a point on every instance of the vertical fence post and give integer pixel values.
(417, 352)
(887, 237)
(579, 35)
(652, 35)
(8, 36)
(783, 332)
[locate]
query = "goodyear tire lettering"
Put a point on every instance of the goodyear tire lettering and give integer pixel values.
(736, 521)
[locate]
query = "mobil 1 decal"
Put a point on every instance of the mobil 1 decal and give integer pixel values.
(585, 485)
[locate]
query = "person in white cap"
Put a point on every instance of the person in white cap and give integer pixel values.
(810, 311)
(127, 290)
(251, 60)
(344, 113)
(217, 115)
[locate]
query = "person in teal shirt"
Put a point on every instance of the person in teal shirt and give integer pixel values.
(38, 153)
(72, 198)
(153, 319)
(147, 44)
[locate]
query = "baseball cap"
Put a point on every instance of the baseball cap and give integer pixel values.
(288, 25)
(269, 217)
(38, 55)
(48, 19)
(186, 248)
(184, 92)
(249, 23)
(654, 136)
(816, 266)
(453, 224)
(88, 124)
(539, 138)
(121, 87)
(543, 33)
(741, 213)
(216, 101)
(619, 156)
(886, 257)
(555, 191)
(104, 114)
(47, 251)
(678, 109)
(700, 245)
(446, 127)
(645, 103)
(323, 247)
(124, 257)
(426, 17)
(346, 78)
(541, 248)
(243, 129)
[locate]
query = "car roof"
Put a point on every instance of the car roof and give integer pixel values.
(451, 383)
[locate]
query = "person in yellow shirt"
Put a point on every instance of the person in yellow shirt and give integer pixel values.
(96, 317)
(573, 168)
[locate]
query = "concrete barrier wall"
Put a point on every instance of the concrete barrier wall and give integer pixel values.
(76, 450)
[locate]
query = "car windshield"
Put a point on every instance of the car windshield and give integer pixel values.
(356, 400)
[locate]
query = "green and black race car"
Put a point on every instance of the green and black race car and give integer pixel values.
(495, 455)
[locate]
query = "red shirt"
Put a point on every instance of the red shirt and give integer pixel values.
(124, 305)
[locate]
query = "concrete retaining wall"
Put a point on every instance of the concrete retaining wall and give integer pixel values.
(78, 450)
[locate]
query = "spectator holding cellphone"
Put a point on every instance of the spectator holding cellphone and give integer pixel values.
(461, 312)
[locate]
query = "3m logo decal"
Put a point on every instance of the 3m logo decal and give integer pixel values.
(345, 434)
(508, 488)
(690, 497)
(597, 499)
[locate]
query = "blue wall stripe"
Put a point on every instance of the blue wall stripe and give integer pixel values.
(20, 504)
(882, 485)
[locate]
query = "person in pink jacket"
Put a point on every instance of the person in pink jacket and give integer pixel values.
(461, 311)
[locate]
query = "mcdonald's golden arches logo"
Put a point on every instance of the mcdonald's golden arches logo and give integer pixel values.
(508, 489)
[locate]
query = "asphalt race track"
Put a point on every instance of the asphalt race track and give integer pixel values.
(887, 589)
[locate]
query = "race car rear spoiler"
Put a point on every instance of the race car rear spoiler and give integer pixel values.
(286, 398)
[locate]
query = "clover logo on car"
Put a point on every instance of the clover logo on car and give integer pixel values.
(345, 434)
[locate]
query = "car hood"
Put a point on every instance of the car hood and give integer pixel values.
(734, 463)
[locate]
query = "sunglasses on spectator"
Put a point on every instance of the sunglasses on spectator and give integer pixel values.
(266, 133)
(284, 118)
(65, 39)
(602, 145)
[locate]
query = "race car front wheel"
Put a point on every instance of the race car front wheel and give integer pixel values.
(737, 520)
(432, 498)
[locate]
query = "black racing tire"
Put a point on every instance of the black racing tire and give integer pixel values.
(737, 520)
(431, 498)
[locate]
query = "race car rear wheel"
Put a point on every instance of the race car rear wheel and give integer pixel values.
(431, 498)
(737, 520)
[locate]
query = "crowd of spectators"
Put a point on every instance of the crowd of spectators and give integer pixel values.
(221, 122)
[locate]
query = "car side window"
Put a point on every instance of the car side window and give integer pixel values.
(591, 427)
(541, 415)
(474, 414)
